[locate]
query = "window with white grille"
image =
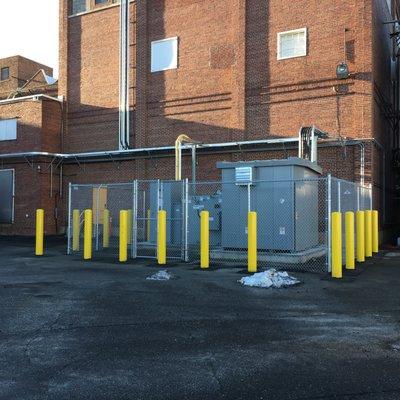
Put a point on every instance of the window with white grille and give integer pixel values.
(8, 129)
(292, 44)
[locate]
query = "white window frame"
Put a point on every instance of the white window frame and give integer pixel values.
(279, 40)
(15, 123)
(175, 65)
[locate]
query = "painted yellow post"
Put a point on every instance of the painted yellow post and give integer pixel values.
(148, 226)
(252, 241)
(337, 260)
(87, 234)
(129, 227)
(360, 236)
(368, 233)
(375, 231)
(123, 235)
(204, 239)
(106, 228)
(76, 229)
(162, 237)
(350, 256)
(39, 232)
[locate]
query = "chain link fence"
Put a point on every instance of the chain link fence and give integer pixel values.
(293, 219)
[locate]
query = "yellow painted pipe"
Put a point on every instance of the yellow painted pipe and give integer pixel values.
(148, 226)
(350, 253)
(106, 228)
(87, 234)
(375, 231)
(39, 246)
(337, 261)
(360, 226)
(129, 231)
(123, 235)
(204, 239)
(162, 237)
(368, 233)
(252, 241)
(76, 228)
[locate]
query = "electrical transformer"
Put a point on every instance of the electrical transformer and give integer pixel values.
(286, 197)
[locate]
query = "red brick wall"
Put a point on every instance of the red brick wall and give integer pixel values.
(38, 129)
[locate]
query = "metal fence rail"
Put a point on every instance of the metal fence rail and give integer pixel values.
(293, 219)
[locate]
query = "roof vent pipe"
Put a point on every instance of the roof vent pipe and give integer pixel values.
(124, 76)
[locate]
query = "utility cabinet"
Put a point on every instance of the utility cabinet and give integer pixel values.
(286, 196)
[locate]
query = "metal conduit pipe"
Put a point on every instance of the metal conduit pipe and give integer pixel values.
(146, 151)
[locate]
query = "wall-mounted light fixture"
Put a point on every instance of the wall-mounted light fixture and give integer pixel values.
(342, 71)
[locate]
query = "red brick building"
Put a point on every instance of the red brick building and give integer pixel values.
(229, 71)
(30, 127)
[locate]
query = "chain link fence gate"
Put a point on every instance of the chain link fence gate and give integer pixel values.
(293, 219)
(142, 200)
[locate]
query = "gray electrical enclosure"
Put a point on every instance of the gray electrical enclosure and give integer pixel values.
(285, 196)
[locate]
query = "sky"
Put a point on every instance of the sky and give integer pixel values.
(30, 28)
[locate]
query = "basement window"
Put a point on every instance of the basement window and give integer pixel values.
(8, 129)
(164, 54)
(5, 73)
(292, 44)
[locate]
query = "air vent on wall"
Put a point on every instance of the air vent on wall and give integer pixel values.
(243, 175)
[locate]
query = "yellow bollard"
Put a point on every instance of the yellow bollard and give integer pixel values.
(106, 228)
(87, 235)
(204, 239)
(75, 229)
(39, 232)
(129, 228)
(337, 261)
(375, 231)
(252, 241)
(148, 226)
(350, 256)
(368, 233)
(162, 237)
(123, 235)
(360, 236)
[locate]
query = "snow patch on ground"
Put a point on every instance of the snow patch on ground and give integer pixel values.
(270, 278)
(392, 254)
(162, 275)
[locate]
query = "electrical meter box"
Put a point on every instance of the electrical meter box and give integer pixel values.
(286, 196)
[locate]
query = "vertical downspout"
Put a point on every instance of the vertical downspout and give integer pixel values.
(362, 164)
(124, 76)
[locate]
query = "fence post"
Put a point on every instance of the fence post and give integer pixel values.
(252, 241)
(329, 212)
(39, 232)
(75, 229)
(360, 236)
(129, 227)
(148, 226)
(123, 235)
(368, 233)
(88, 235)
(135, 219)
(337, 260)
(204, 239)
(350, 264)
(375, 231)
(69, 219)
(106, 228)
(162, 237)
